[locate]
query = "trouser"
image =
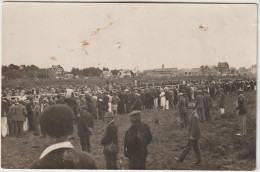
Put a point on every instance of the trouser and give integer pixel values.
(137, 162)
(155, 100)
(184, 120)
(200, 110)
(85, 143)
(31, 123)
(242, 124)
(11, 128)
(94, 111)
(100, 113)
(191, 143)
(18, 128)
(36, 127)
(111, 161)
(207, 115)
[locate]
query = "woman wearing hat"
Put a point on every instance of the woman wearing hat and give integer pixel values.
(57, 123)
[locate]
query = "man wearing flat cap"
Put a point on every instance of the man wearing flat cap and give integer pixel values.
(110, 141)
(183, 103)
(194, 134)
(242, 110)
(137, 138)
(137, 105)
(85, 126)
(200, 105)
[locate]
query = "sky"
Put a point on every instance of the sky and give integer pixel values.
(127, 36)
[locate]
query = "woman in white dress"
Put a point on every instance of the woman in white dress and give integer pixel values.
(162, 96)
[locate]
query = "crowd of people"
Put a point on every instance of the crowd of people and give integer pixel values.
(41, 111)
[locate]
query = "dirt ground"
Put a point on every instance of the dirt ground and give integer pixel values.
(221, 149)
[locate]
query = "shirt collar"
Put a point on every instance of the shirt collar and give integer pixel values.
(110, 122)
(53, 147)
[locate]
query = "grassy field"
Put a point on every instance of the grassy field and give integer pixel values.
(221, 149)
(101, 81)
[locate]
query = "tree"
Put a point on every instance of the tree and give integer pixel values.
(115, 72)
(203, 69)
(105, 69)
(132, 73)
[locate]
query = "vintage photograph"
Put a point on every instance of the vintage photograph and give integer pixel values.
(129, 86)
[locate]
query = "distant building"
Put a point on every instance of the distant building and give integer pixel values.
(223, 68)
(243, 71)
(214, 71)
(124, 73)
(253, 70)
(163, 72)
(233, 71)
(68, 76)
(184, 72)
(56, 71)
(106, 74)
(195, 72)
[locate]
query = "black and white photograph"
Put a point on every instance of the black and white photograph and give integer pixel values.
(129, 85)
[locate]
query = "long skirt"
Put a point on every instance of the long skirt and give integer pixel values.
(4, 126)
(167, 104)
(25, 125)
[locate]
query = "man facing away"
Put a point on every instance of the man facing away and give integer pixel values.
(137, 138)
(194, 136)
(242, 110)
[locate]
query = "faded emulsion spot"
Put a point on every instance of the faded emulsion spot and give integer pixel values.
(53, 58)
(95, 32)
(203, 28)
(85, 43)
(118, 45)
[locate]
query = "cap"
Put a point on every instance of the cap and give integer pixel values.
(109, 115)
(180, 94)
(135, 113)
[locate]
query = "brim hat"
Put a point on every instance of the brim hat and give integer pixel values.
(135, 113)
(180, 94)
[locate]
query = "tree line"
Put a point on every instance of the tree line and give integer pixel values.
(32, 72)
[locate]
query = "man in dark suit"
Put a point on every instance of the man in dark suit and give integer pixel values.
(110, 141)
(183, 103)
(85, 126)
(200, 105)
(137, 105)
(194, 135)
(137, 138)
(207, 104)
(57, 123)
